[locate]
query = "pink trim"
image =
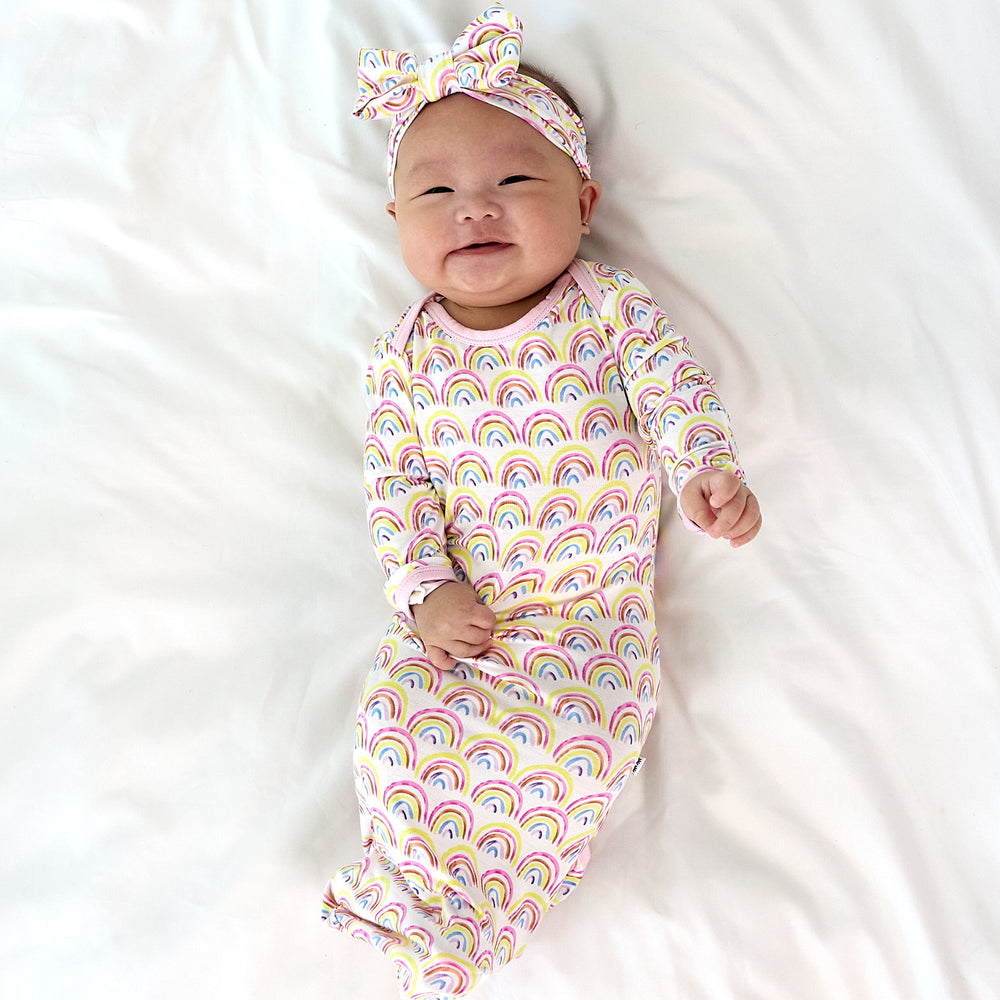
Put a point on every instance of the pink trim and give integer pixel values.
(425, 574)
(441, 315)
(583, 275)
(405, 327)
(578, 271)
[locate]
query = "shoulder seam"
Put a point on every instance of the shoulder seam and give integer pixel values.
(404, 327)
(583, 275)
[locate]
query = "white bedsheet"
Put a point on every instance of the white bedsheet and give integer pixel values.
(194, 259)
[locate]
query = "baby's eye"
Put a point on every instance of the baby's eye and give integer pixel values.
(438, 190)
(515, 179)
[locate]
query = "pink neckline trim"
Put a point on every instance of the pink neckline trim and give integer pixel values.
(442, 317)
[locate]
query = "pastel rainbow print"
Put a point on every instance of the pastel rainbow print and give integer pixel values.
(528, 464)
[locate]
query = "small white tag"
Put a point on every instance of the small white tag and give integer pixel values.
(638, 765)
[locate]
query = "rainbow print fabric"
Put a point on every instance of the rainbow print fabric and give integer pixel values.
(484, 57)
(483, 64)
(526, 461)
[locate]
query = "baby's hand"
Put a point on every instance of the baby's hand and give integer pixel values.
(722, 506)
(453, 624)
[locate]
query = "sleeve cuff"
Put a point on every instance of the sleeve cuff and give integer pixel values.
(400, 594)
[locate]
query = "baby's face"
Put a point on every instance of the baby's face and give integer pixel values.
(489, 211)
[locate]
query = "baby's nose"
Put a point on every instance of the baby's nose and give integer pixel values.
(477, 207)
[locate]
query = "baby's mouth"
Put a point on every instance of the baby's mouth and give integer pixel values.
(486, 246)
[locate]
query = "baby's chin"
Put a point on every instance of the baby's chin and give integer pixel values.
(486, 312)
(480, 280)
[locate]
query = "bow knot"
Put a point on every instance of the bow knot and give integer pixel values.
(484, 57)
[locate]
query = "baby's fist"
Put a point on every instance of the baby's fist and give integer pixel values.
(722, 505)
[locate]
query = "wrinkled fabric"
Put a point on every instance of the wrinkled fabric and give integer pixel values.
(527, 462)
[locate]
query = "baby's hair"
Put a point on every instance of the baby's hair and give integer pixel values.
(556, 86)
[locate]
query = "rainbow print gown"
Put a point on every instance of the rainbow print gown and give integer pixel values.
(526, 461)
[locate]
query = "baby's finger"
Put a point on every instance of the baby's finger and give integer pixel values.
(441, 659)
(747, 536)
(748, 525)
(724, 488)
(482, 616)
(697, 509)
(474, 633)
(462, 650)
(728, 516)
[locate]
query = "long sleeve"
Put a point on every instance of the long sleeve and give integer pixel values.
(672, 396)
(405, 514)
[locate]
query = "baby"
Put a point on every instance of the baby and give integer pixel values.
(520, 417)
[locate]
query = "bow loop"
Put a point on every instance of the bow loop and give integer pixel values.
(484, 57)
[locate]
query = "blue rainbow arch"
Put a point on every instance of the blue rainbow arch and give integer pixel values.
(494, 429)
(522, 552)
(465, 506)
(545, 429)
(574, 542)
(463, 388)
(502, 842)
(571, 466)
(597, 422)
(487, 358)
(534, 352)
(510, 510)
(558, 509)
(585, 344)
(513, 390)
(621, 461)
(519, 469)
(439, 357)
(569, 383)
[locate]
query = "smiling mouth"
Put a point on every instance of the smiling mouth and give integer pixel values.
(487, 246)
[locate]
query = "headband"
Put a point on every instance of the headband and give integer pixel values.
(482, 64)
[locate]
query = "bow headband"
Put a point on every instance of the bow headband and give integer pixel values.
(482, 64)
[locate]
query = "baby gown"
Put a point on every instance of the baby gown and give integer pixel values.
(526, 461)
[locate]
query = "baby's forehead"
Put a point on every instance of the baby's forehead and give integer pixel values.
(430, 159)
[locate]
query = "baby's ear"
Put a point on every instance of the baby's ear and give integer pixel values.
(391, 209)
(590, 195)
